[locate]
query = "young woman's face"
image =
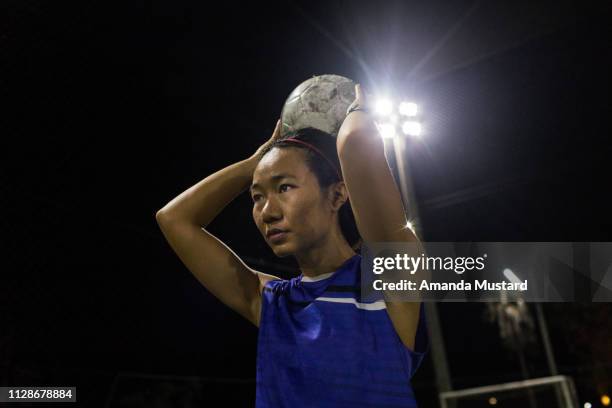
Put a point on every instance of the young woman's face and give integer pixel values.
(286, 195)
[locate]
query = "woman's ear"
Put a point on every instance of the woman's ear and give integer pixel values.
(338, 195)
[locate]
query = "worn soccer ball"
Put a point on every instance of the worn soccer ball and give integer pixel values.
(320, 102)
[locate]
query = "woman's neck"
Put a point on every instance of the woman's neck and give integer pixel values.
(325, 258)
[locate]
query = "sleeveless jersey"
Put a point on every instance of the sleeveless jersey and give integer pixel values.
(320, 346)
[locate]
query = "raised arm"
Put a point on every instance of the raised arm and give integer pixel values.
(213, 263)
(376, 201)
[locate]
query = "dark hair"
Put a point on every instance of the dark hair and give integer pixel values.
(325, 174)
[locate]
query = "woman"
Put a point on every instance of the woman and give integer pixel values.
(319, 345)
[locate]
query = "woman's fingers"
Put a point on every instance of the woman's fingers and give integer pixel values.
(277, 130)
(275, 136)
(358, 99)
(361, 96)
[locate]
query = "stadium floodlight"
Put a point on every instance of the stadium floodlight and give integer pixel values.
(384, 107)
(412, 128)
(397, 120)
(387, 130)
(408, 109)
(511, 276)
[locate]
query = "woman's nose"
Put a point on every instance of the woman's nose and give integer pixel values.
(271, 211)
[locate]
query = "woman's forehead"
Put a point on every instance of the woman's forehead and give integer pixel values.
(281, 161)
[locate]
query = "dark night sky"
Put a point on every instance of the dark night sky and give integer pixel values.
(112, 109)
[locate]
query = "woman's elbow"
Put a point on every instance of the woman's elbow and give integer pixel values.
(163, 217)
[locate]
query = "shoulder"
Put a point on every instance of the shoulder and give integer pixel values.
(267, 283)
(267, 280)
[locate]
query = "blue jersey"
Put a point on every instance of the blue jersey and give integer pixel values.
(320, 346)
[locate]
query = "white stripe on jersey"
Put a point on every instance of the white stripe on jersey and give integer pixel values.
(378, 305)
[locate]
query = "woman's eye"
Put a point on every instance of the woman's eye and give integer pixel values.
(281, 188)
(256, 197)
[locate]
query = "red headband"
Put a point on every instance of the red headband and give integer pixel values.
(294, 140)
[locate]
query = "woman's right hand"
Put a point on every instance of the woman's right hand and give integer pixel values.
(275, 136)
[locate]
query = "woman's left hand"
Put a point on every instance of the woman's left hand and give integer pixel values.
(359, 121)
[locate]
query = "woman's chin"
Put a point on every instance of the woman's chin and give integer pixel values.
(282, 250)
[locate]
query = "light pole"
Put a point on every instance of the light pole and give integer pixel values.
(443, 381)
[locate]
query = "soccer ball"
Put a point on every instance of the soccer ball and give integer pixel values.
(319, 102)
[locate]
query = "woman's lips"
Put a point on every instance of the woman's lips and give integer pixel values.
(278, 236)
